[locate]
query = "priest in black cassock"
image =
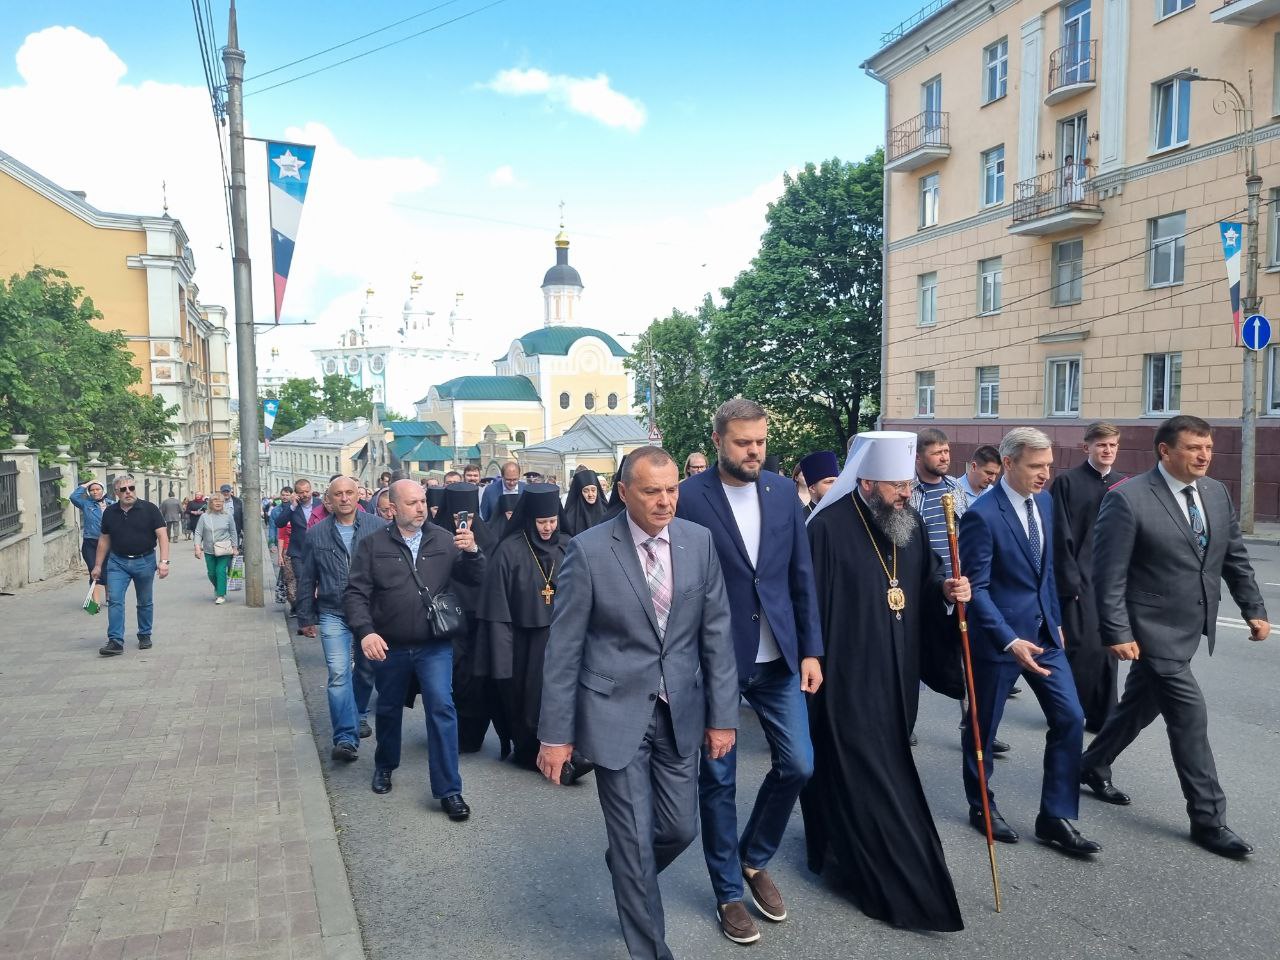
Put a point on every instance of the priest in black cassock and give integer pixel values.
(1077, 497)
(515, 610)
(879, 584)
(584, 506)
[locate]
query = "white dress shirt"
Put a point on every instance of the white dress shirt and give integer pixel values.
(1176, 487)
(744, 501)
(1019, 502)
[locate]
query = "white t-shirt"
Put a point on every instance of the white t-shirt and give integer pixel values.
(745, 503)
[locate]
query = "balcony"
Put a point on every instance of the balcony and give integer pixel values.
(923, 139)
(1058, 200)
(1073, 69)
(1245, 13)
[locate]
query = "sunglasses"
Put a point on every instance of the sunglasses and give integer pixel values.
(125, 489)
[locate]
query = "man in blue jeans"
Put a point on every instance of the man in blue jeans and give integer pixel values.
(132, 532)
(757, 524)
(394, 572)
(322, 580)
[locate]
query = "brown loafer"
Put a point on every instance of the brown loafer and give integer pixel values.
(765, 893)
(736, 924)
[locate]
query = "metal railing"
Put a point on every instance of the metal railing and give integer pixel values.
(913, 21)
(10, 515)
(1065, 188)
(932, 128)
(1073, 63)
(51, 516)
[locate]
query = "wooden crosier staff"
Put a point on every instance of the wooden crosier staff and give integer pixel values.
(949, 511)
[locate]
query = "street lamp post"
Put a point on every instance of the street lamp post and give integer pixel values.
(1243, 107)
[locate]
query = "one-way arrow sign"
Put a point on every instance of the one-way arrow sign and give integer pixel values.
(1255, 332)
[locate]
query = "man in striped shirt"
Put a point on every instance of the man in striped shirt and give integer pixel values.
(933, 461)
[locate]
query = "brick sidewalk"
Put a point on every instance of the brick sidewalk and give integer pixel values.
(166, 803)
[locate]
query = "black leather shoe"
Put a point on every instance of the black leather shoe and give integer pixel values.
(455, 807)
(381, 781)
(366, 731)
(144, 641)
(1061, 832)
(346, 753)
(112, 648)
(1220, 840)
(1104, 789)
(914, 740)
(1000, 830)
(999, 746)
(1014, 690)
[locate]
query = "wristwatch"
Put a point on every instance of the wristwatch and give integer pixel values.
(164, 562)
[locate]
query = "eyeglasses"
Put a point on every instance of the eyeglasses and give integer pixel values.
(903, 486)
(125, 489)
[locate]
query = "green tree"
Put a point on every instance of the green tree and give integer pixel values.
(303, 399)
(64, 381)
(800, 328)
(684, 400)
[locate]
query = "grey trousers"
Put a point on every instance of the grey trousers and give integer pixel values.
(1165, 688)
(650, 816)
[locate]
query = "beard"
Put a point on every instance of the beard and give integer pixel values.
(741, 471)
(898, 525)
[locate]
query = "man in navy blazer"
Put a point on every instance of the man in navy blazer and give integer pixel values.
(1015, 622)
(757, 524)
(509, 482)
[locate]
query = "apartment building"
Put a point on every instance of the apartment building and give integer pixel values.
(1055, 176)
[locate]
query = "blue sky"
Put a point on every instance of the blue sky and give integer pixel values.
(731, 93)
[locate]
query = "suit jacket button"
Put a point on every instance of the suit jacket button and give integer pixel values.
(1200, 603)
(653, 696)
(755, 616)
(757, 581)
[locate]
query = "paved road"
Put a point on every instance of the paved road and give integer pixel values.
(525, 878)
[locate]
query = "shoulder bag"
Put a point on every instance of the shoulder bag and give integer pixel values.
(445, 616)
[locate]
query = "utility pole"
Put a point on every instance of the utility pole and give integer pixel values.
(246, 353)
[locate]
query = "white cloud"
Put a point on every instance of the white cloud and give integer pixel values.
(504, 176)
(590, 96)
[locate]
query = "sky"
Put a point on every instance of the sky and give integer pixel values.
(664, 128)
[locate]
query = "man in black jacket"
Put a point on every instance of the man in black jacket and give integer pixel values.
(387, 613)
(296, 513)
(322, 579)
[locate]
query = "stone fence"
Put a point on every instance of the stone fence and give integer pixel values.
(40, 529)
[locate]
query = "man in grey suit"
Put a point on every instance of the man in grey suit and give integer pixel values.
(639, 675)
(1163, 542)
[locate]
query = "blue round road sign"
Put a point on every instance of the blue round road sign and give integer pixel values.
(1256, 332)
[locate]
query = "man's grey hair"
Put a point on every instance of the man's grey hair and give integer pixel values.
(739, 408)
(655, 455)
(1024, 438)
(123, 478)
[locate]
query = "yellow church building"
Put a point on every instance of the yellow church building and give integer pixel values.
(546, 382)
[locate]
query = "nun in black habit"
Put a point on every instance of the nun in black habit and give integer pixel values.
(515, 612)
(585, 506)
(506, 506)
(615, 505)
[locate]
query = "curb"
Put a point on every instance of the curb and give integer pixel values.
(1254, 540)
(339, 928)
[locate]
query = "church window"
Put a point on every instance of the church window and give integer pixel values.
(589, 401)
(520, 435)
(331, 366)
(613, 401)
(564, 401)
(353, 365)
(377, 364)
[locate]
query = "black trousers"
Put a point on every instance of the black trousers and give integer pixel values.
(89, 550)
(1166, 688)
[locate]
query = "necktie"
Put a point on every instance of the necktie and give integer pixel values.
(1196, 519)
(656, 577)
(1033, 532)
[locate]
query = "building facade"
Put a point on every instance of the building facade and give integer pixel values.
(317, 451)
(1055, 177)
(597, 441)
(139, 271)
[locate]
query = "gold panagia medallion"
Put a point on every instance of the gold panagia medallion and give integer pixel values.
(897, 599)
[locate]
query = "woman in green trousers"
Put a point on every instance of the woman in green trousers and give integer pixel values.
(215, 537)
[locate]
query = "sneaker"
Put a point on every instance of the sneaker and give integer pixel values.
(144, 641)
(736, 924)
(219, 599)
(366, 731)
(112, 648)
(346, 753)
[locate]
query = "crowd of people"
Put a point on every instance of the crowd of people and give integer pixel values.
(616, 633)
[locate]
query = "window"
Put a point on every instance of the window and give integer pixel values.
(1172, 113)
(520, 435)
(1064, 387)
(990, 280)
(1168, 241)
(1272, 401)
(589, 401)
(995, 70)
(988, 391)
(931, 107)
(1168, 8)
(993, 176)
(564, 401)
(1164, 382)
(1068, 273)
(613, 401)
(929, 200)
(924, 393)
(1077, 17)
(928, 299)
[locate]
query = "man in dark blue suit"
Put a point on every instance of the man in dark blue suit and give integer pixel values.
(1006, 551)
(757, 524)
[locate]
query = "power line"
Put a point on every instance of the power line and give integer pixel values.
(215, 82)
(392, 43)
(347, 43)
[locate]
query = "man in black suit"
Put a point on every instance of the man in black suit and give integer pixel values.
(1163, 542)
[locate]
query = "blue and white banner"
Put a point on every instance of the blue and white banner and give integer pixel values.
(270, 407)
(1232, 234)
(288, 174)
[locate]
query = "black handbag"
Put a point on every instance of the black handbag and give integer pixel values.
(445, 616)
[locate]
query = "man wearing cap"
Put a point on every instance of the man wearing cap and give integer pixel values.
(235, 507)
(819, 471)
(877, 580)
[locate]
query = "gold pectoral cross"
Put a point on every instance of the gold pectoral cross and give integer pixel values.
(548, 593)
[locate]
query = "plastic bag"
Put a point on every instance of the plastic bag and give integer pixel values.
(235, 577)
(94, 599)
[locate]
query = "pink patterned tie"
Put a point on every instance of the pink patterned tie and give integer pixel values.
(660, 592)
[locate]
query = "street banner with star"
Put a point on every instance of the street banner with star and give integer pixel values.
(288, 173)
(1231, 234)
(270, 407)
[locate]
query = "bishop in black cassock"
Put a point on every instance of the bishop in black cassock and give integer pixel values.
(879, 587)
